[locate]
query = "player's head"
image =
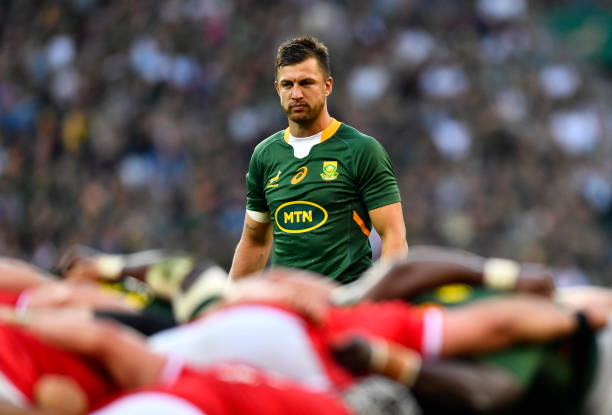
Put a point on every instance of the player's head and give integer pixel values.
(303, 79)
(297, 50)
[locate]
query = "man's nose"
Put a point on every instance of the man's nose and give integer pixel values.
(296, 92)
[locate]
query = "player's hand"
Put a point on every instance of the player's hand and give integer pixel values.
(353, 353)
(94, 268)
(74, 258)
(79, 263)
(311, 306)
(305, 293)
(82, 269)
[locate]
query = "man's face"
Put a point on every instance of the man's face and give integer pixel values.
(302, 89)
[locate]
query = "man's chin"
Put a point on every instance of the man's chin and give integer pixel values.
(300, 117)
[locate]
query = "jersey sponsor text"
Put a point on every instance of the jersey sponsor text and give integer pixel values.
(300, 216)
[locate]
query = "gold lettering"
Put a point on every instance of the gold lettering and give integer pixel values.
(307, 216)
(300, 211)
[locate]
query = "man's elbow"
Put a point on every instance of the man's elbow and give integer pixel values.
(394, 243)
(252, 244)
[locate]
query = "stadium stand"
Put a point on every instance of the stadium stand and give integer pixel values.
(128, 125)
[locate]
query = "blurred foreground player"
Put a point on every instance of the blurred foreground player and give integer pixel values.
(233, 327)
(154, 384)
(23, 285)
(575, 369)
(35, 375)
(310, 359)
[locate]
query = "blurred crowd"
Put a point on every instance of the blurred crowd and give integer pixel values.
(126, 125)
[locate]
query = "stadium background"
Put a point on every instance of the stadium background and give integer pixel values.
(127, 125)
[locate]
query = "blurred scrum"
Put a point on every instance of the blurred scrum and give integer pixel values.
(128, 125)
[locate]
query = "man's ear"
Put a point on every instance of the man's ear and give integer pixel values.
(329, 82)
(276, 87)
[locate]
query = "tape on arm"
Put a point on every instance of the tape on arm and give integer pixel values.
(396, 362)
(501, 274)
(261, 217)
(110, 266)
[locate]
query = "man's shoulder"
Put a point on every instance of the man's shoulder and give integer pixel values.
(266, 143)
(358, 141)
(355, 137)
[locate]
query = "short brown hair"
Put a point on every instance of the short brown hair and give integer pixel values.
(297, 50)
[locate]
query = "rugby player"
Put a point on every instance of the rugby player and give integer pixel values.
(37, 375)
(315, 189)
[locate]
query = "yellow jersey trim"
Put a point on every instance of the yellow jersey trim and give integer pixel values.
(330, 130)
(325, 134)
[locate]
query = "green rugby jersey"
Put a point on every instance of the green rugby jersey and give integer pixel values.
(319, 204)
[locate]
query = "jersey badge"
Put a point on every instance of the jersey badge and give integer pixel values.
(273, 182)
(330, 171)
(302, 172)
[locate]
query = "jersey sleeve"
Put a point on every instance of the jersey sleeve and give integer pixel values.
(394, 321)
(256, 200)
(375, 176)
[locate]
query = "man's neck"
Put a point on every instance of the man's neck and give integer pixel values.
(311, 128)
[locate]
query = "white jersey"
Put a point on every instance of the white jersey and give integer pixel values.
(149, 403)
(11, 394)
(259, 335)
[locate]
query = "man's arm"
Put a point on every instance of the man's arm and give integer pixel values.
(120, 350)
(451, 384)
(7, 408)
(253, 250)
(389, 223)
(82, 263)
(17, 275)
(493, 324)
(163, 271)
(427, 267)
